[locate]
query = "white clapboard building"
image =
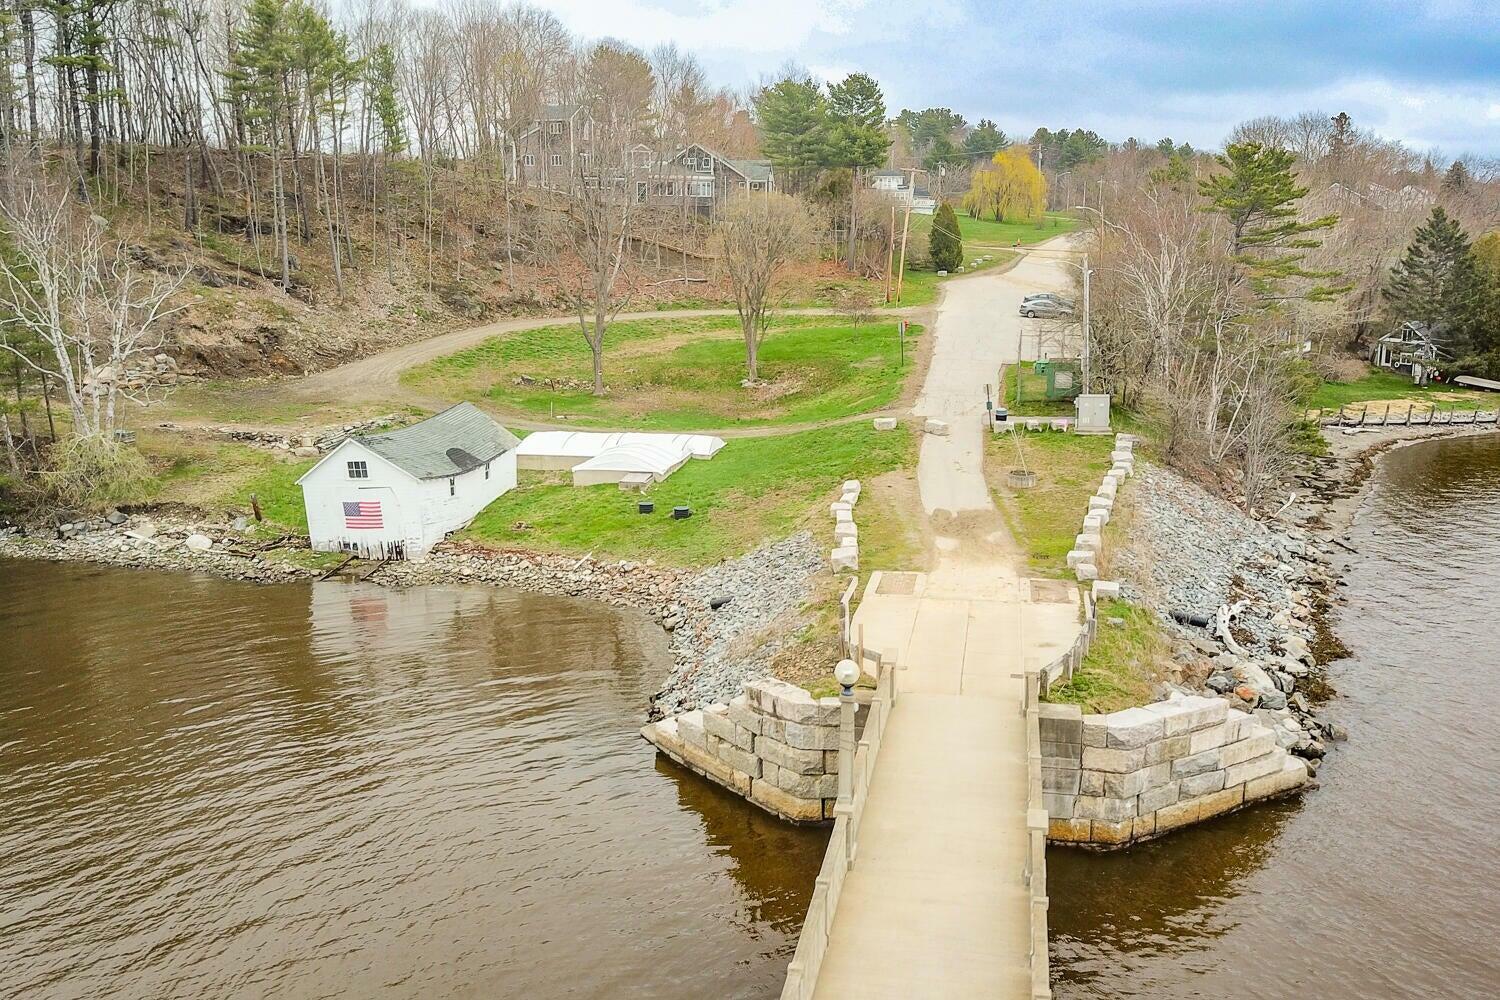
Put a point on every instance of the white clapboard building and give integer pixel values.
(396, 495)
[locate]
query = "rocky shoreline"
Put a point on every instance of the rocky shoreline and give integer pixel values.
(720, 617)
(1193, 553)
(1241, 598)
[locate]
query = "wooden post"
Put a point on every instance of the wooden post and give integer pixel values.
(901, 271)
(890, 254)
(255, 506)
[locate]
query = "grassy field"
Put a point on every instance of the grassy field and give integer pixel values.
(921, 284)
(1122, 660)
(754, 489)
(1380, 386)
(993, 233)
(1045, 519)
(682, 374)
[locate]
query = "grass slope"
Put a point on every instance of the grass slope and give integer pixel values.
(754, 489)
(1045, 519)
(681, 374)
(1121, 662)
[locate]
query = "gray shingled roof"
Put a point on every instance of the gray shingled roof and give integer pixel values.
(752, 170)
(460, 438)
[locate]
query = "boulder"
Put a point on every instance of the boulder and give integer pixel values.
(1086, 571)
(845, 557)
(1106, 590)
(885, 423)
(199, 543)
(938, 428)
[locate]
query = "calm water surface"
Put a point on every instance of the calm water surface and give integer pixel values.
(217, 790)
(1385, 883)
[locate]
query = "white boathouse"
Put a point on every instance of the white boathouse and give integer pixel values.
(396, 495)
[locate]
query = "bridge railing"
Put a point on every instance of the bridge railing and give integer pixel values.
(1037, 682)
(843, 845)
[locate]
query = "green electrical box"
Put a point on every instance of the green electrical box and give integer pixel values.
(1042, 367)
(1064, 379)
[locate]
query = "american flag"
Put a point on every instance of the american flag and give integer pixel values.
(362, 514)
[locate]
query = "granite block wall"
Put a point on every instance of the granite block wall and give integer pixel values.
(1111, 780)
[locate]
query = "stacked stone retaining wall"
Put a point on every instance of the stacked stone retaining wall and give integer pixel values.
(775, 744)
(1111, 780)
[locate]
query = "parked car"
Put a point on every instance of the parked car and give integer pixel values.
(1046, 305)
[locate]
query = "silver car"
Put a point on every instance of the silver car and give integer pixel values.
(1046, 305)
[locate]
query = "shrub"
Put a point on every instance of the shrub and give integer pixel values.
(91, 471)
(945, 246)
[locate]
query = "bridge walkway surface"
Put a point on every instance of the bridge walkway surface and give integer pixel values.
(935, 902)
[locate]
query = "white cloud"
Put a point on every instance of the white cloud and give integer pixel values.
(720, 26)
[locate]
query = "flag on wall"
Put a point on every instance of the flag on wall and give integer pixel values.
(362, 514)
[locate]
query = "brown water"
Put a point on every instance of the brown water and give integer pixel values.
(1385, 883)
(210, 789)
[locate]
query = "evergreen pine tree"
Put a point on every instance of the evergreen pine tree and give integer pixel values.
(1257, 195)
(985, 141)
(1438, 282)
(945, 246)
(793, 118)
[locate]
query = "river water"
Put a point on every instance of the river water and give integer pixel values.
(1384, 883)
(211, 789)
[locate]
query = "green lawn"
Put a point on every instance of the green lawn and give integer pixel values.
(1046, 518)
(988, 231)
(752, 490)
(981, 237)
(681, 374)
(1121, 664)
(1380, 385)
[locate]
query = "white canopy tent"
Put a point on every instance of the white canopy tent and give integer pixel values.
(609, 458)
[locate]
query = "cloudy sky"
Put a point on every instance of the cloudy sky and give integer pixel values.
(1426, 73)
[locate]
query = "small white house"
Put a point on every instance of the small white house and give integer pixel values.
(396, 495)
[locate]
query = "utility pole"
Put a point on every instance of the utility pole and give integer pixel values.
(1087, 347)
(911, 189)
(890, 254)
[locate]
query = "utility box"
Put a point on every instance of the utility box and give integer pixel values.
(1064, 380)
(1093, 413)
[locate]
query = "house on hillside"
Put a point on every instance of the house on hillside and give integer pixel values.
(556, 150)
(700, 179)
(396, 495)
(896, 185)
(1412, 348)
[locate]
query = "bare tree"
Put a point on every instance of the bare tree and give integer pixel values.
(756, 238)
(78, 294)
(617, 85)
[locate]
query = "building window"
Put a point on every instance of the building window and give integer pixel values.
(359, 470)
(584, 158)
(554, 128)
(756, 186)
(486, 470)
(700, 189)
(528, 160)
(452, 487)
(557, 159)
